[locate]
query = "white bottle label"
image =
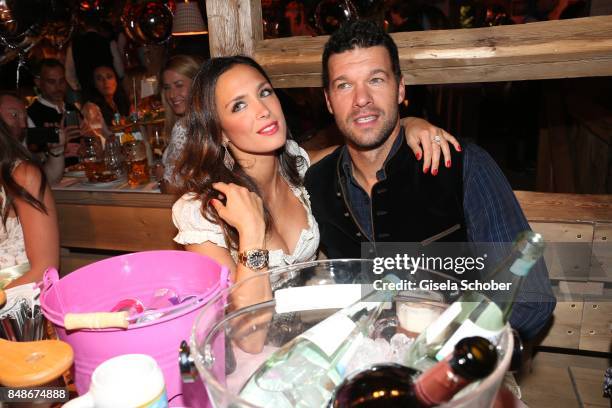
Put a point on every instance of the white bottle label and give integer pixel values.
(316, 297)
(467, 329)
(438, 326)
(521, 267)
(329, 334)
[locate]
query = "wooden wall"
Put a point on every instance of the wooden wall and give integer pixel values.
(551, 49)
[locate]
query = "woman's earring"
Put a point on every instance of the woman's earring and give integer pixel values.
(228, 160)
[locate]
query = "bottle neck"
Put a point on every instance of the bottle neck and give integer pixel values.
(438, 384)
(512, 270)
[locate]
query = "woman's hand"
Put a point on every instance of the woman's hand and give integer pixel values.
(243, 210)
(419, 133)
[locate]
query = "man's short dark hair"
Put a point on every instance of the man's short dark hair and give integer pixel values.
(49, 63)
(359, 34)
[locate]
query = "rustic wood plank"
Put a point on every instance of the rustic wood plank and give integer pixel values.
(550, 385)
(70, 261)
(601, 263)
(568, 255)
(148, 200)
(565, 330)
(551, 49)
(544, 174)
(565, 207)
(601, 7)
(588, 384)
(115, 228)
(234, 26)
(580, 289)
(563, 170)
(561, 360)
(596, 329)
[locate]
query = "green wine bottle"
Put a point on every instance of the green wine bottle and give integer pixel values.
(475, 313)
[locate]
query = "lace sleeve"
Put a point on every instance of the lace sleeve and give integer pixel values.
(295, 150)
(192, 227)
(178, 138)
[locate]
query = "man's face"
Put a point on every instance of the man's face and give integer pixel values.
(52, 84)
(14, 114)
(363, 95)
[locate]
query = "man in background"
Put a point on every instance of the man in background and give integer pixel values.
(13, 113)
(49, 108)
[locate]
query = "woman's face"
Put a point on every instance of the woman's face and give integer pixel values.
(251, 116)
(176, 90)
(105, 81)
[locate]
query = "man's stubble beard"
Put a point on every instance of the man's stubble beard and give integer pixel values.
(388, 125)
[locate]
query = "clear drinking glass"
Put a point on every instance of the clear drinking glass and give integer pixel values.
(158, 144)
(113, 156)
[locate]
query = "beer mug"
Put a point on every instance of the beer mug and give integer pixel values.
(92, 157)
(136, 157)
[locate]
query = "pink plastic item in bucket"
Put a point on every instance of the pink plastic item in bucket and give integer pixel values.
(97, 288)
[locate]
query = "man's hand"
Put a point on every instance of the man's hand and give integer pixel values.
(57, 149)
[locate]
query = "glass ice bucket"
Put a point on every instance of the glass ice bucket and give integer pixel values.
(229, 342)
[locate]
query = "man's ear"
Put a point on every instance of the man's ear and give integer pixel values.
(329, 107)
(37, 82)
(401, 92)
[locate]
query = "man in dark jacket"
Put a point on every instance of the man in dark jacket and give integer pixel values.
(372, 189)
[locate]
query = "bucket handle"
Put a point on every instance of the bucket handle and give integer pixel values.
(99, 320)
(225, 280)
(50, 278)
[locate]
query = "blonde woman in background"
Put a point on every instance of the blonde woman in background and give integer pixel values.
(177, 77)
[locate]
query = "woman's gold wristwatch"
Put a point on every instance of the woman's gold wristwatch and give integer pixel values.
(254, 259)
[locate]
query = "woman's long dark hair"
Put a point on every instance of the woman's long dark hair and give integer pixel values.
(201, 162)
(10, 152)
(120, 98)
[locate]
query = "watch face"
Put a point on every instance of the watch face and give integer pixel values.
(257, 259)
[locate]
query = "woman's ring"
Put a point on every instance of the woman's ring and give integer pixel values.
(437, 139)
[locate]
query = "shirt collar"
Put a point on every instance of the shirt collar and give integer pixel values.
(50, 104)
(346, 162)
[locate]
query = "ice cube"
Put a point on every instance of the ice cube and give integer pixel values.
(399, 345)
(370, 352)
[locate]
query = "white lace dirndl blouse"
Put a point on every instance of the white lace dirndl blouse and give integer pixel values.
(194, 228)
(13, 259)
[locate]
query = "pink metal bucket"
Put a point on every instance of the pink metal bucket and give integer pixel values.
(99, 286)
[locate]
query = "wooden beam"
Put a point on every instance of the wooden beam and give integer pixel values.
(551, 49)
(234, 26)
(104, 198)
(565, 207)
